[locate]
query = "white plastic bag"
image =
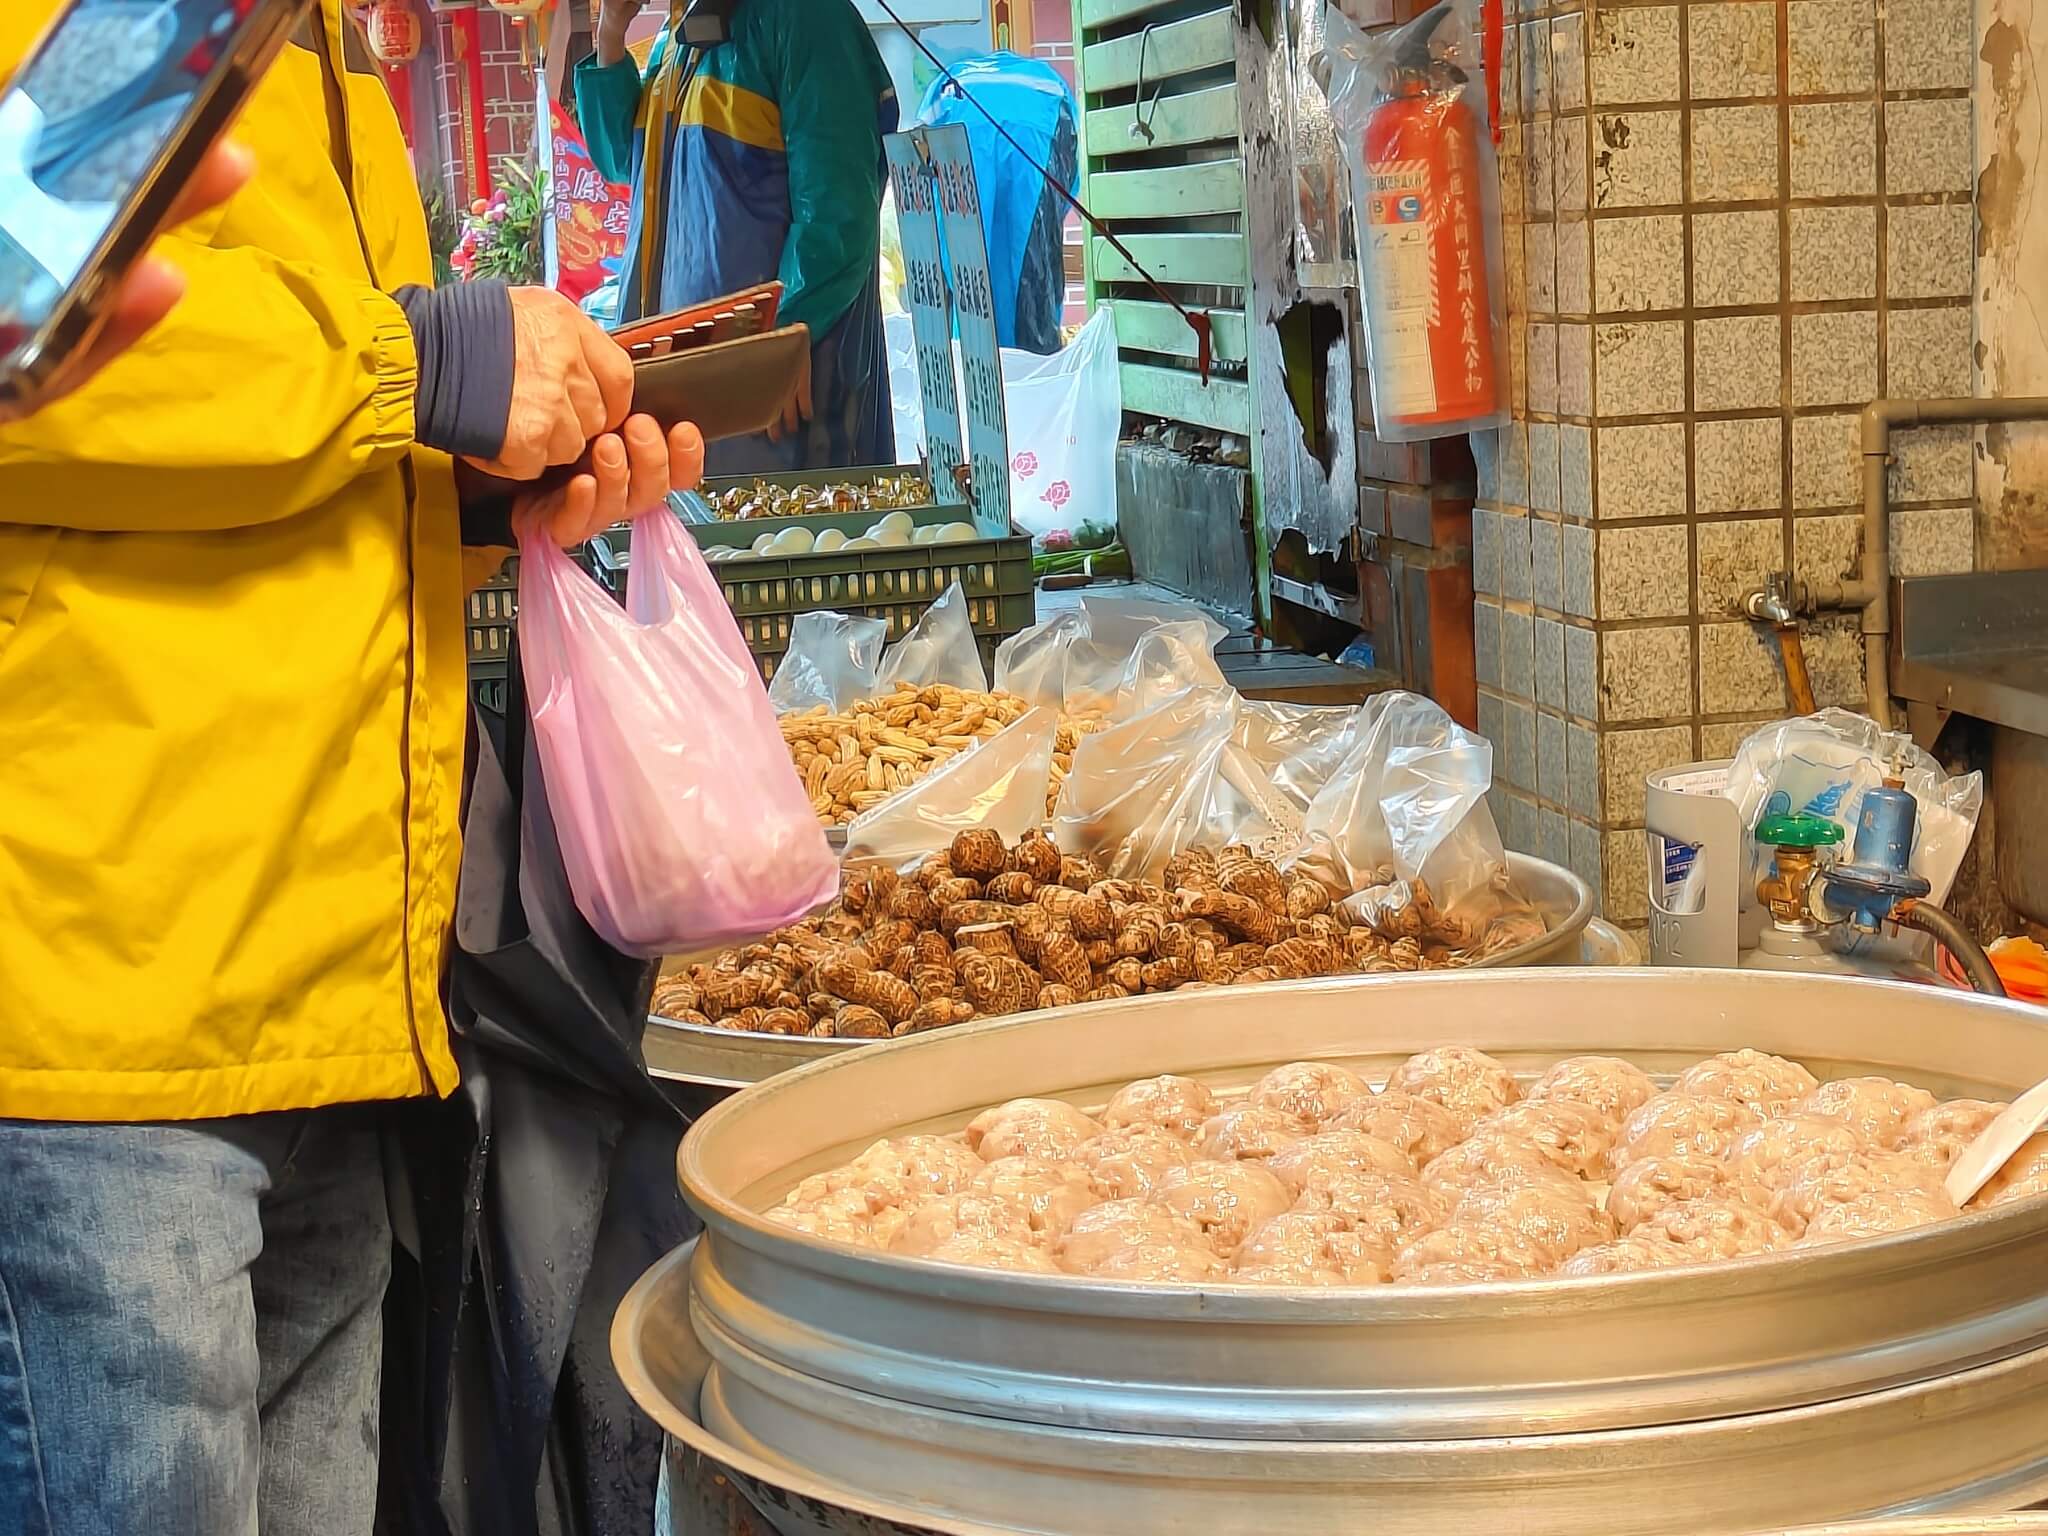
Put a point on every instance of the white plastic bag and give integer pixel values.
(997, 783)
(1065, 412)
(682, 823)
(1410, 797)
(1088, 663)
(940, 650)
(1158, 783)
(1824, 764)
(832, 660)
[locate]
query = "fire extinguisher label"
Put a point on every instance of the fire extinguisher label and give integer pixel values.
(1403, 285)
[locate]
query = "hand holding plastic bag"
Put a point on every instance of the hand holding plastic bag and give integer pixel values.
(682, 823)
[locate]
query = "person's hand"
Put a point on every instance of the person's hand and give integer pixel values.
(570, 383)
(154, 286)
(796, 410)
(613, 18)
(631, 471)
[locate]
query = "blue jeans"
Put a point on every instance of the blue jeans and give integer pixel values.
(191, 1326)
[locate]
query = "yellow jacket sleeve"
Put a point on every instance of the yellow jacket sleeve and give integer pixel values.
(268, 389)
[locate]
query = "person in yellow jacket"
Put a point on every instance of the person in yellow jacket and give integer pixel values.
(232, 711)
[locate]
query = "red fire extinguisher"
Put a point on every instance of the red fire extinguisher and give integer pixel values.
(1422, 250)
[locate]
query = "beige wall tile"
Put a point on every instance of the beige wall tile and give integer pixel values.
(1734, 153)
(1639, 263)
(1543, 367)
(1550, 675)
(1732, 49)
(1637, 159)
(1582, 772)
(1574, 267)
(1931, 250)
(1542, 483)
(1541, 157)
(1834, 253)
(1639, 367)
(1934, 541)
(1582, 672)
(1828, 548)
(1567, 61)
(1645, 574)
(1570, 156)
(1736, 363)
(1575, 470)
(1626, 882)
(1831, 46)
(1737, 465)
(1932, 464)
(1927, 352)
(1834, 660)
(1826, 462)
(1834, 358)
(1551, 769)
(1734, 558)
(1539, 264)
(1642, 471)
(1577, 540)
(1574, 369)
(1634, 54)
(1645, 674)
(1735, 258)
(1927, 45)
(1834, 149)
(1546, 565)
(1739, 672)
(1485, 641)
(1927, 146)
(1725, 739)
(1517, 658)
(1628, 758)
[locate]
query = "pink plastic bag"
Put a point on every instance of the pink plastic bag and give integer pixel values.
(682, 822)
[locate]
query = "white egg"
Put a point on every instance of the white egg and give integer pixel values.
(764, 543)
(795, 541)
(853, 545)
(828, 541)
(900, 522)
(928, 534)
(957, 533)
(893, 538)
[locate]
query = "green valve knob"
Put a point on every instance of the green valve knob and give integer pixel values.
(1797, 832)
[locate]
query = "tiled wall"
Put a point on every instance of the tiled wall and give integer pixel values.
(1729, 224)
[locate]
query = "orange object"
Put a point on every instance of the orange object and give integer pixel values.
(1423, 248)
(395, 32)
(2021, 964)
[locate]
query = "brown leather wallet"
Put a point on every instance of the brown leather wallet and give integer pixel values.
(728, 388)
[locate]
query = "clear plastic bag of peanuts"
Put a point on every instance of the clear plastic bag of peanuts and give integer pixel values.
(683, 825)
(998, 783)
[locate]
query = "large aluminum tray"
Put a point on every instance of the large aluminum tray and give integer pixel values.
(731, 1058)
(884, 1346)
(1761, 1474)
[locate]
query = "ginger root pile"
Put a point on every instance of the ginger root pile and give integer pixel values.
(984, 930)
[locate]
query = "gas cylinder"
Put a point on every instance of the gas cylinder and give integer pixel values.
(1422, 240)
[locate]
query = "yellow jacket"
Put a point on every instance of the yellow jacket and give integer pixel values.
(232, 692)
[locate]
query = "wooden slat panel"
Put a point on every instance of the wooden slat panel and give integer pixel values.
(1149, 326)
(1168, 191)
(1178, 48)
(1224, 405)
(1218, 260)
(1193, 117)
(1102, 13)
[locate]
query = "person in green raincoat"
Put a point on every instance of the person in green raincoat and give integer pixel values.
(758, 159)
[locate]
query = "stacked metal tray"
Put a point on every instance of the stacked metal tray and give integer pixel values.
(731, 1058)
(1904, 1375)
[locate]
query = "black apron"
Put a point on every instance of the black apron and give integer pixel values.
(529, 1202)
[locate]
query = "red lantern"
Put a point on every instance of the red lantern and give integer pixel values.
(395, 32)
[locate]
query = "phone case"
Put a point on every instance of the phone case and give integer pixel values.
(728, 388)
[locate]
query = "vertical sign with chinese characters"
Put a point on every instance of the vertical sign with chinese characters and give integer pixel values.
(943, 155)
(931, 313)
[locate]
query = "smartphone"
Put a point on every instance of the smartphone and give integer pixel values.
(100, 128)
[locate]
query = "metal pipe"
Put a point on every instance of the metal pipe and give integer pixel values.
(1955, 938)
(1881, 418)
